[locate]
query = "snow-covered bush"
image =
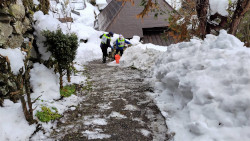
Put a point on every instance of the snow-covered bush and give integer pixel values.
(63, 48)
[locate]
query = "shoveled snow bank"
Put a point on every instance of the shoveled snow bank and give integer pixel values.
(142, 56)
(203, 89)
(44, 82)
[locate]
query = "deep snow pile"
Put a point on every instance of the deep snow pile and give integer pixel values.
(203, 89)
(142, 56)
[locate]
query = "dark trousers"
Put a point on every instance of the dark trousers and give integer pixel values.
(104, 54)
(117, 50)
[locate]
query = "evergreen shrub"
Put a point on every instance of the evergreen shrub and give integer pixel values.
(63, 48)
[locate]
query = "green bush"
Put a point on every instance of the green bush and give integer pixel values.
(68, 90)
(46, 114)
(63, 48)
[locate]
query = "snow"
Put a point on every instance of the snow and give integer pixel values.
(36, 2)
(104, 106)
(144, 132)
(130, 108)
(13, 125)
(135, 40)
(220, 6)
(95, 134)
(96, 121)
(144, 57)
(47, 85)
(101, 4)
(117, 115)
(216, 6)
(91, 11)
(44, 22)
(16, 58)
(176, 4)
(202, 88)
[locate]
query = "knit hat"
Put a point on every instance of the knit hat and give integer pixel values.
(111, 34)
(120, 36)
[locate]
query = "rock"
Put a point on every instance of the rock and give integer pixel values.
(5, 19)
(17, 11)
(18, 27)
(15, 41)
(12, 85)
(4, 11)
(26, 25)
(3, 90)
(5, 32)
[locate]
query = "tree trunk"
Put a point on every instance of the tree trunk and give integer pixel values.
(202, 8)
(27, 89)
(242, 7)
(68, 75)
(61, 78)
(1, 102)
(19, 84)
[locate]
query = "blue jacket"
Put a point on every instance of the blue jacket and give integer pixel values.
(117, 44)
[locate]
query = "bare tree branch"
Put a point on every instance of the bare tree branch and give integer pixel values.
(242, 7)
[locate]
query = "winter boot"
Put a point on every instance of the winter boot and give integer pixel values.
(104, 59)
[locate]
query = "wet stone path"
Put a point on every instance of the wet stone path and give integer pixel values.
(116, 109)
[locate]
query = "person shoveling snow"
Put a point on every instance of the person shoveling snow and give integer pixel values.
(120, 43)
(105, 43)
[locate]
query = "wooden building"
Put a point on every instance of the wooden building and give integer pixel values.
(121, 19)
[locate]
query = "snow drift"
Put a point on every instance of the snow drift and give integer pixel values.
(204, 88)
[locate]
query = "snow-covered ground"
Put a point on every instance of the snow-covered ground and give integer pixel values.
(201, 87)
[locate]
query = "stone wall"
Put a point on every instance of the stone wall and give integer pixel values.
(15, 31)
(15, 25)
